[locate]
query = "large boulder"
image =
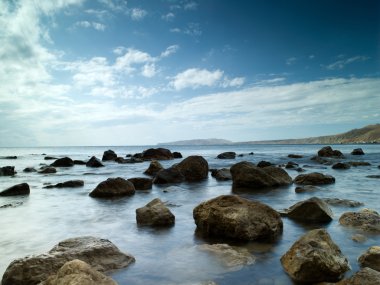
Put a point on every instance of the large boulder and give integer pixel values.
(222, 174)
(141, 183)
(19, 189)
(177, 154)
(365, 220)
(315, 258)
(157, 154)
(113, 187)
(247, 175)
(327, 151)
(169, 175)
(154, 168)
(101, 254)
(230, 216)
(313, 210)
(7, 171)
(63, 162)
(365, 276)
(77, 272)
(371, 258)
(314, 178)
(109, 155)
(193, 168)
(155, 213)
(67, 184)
(357, 151)
(94, 162)
(227, 155)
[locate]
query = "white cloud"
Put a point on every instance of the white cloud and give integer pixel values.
(291, 60)
(131, 57)
(175, 30)
(195, 78)
(170, 50)
(234, 82)
(149, 70)
(193, 29)
(190, 6)
(94, 25)
(115, 5)
(100, 14)
(138, 14)
(340, 64)
(119, 50)
(168, 17)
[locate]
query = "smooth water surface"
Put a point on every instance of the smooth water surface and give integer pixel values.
(171, 256)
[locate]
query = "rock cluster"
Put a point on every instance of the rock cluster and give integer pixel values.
(327, 151)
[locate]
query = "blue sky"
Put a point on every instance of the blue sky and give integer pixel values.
(113, 72)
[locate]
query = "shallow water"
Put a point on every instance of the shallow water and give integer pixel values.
(170, 256)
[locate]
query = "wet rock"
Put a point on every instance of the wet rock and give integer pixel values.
(314, 178)
(157, 154)
(365, 220)
(327, 151)
(240, 155)
(141, 183)
(229, 256)
(357, 151)
(227, 155)
(247, 175)
(109, 155)
(251, 153)
(50, 158)
(371, 258)
(18, 189)
(113, 187)
(222, 174)
(78, 272)
(341, 165)
(359, 163)
(155, 214)
(122, 160)
(306, 188)
(67, 184)
(177, 154)
(313, 209)
(7, 171)
(291, 165)
(264, 163)
(94, 162)
(9, 157)
(230, 216)
(153, 168)
(11, 205)
(342, 202)
(47, 170)
(365, 276)
(29, 169)
(79, 162)
(100, 254)
(359, 238)
(315, 258)
(295, 156)
(169, 175)
(193, 168)
(373, 176)
(63, 162)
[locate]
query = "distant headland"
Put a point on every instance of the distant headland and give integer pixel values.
(365, 135)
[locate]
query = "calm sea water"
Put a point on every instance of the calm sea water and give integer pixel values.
(170, 256)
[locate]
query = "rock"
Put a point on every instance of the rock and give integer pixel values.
(373, 176)
(169, 175)
(314, 178)
(109, 155)
(366, 276)
(63, 162)
(240, 154)
(177, 154)
(122, 160)
(371, 258)
(327, 151)
(141, 183)
(247, 175)
(295, 156)
(29, 169)
(9, 157)
(359, 163)
(153, 168)
(79, 162)
(222, 174)
(230, 216)
(264, 163)
(11, 205)
(251, 153)
(365, 220)
(342, 202)
(67, 184)
(357, 151)
(113, 187)
(155, 213)
(94, 162)
(47, 170)
(193, 168)
(78, 272)
(321, 160)
(306, 188)
(7, 171)
(229, 256)
(101, 254)
(227, 155)
(18, 189)
(315, 258)
(50, 158)
(291, 165)
(157, 154)
(359, 238)
(313, 210)
(341, 165)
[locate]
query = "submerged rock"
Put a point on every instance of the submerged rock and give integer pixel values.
(67, 184)
(365, 220)
(29, 169)
(169, 175)
(222, 174)
(227, 155)
(94, 162)
(264, 163)
(230, 216)
(314, 178)
(342, 202)
(154, 168)
(359, 163)
(19, 189)
(341, 165)
(371, 258)
(47, 170)
(7, 171)
(79, 162)
(247, 175)
(327, 151)
(157, 154)
(306, 188)
(141, 183)
(100, 254)
(63, 162)
(295, 156)
(193, 168)
(155, 213)
(373, 176)
(11, 205)
(113, 187)
(177, 154)
(109, 155)
(357, 151)
(365, 276)
(315, 258)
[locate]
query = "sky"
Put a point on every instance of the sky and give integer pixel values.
(141, 72)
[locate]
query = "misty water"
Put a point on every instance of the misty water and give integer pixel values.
(171, 256)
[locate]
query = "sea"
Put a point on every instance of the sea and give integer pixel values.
(171, 255)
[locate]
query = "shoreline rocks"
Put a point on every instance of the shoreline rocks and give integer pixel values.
(67, 184)
(314, 178)
(155, 214)
(365, 220)
(18, 189)
(113, 187)
(357, 151)
(141, 183)
(222, 174)
(327, 151)
(313, 209)
(371, 258)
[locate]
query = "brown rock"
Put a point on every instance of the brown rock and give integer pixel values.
(47, 170)
(371, 258)
(327, 151)
(313, 209)
(365, 220)
(154, 168)
(314, 178)
(221, 174)
(341, 165)
(109, 155)
(227, 155)
(141, 183)
(63, 162)
(357, 151)
(365, 276)
(67, 184)
(113, 187)
(19, 189)
(7, 171)
(295, 156)
(169, 175)
(157, 154)
(155, 213)
(193, 168)
(94, 162)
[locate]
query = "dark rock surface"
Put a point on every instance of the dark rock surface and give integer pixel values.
(227, 155)
(341, 165)
(365, 276)
(357, 151)
(264, 163)
(177, 154)
(313, 209)
(157, 154)
(153, 168)
(222, 174)
(29, 169)
(169, 175)
(193, 168)
(314, 178)
(7, 171)
(47, 170)
(94, 162)
(63, 162)
(155, 214)
(306, 188)
(365, 220)
(359, 163)
(371, 258)
(295, 156)
(79, 162)
(342, 202)
(67, 184)
(109, 155)
(19, 189)
(113, 187)
(327, 151)
(141, 183)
